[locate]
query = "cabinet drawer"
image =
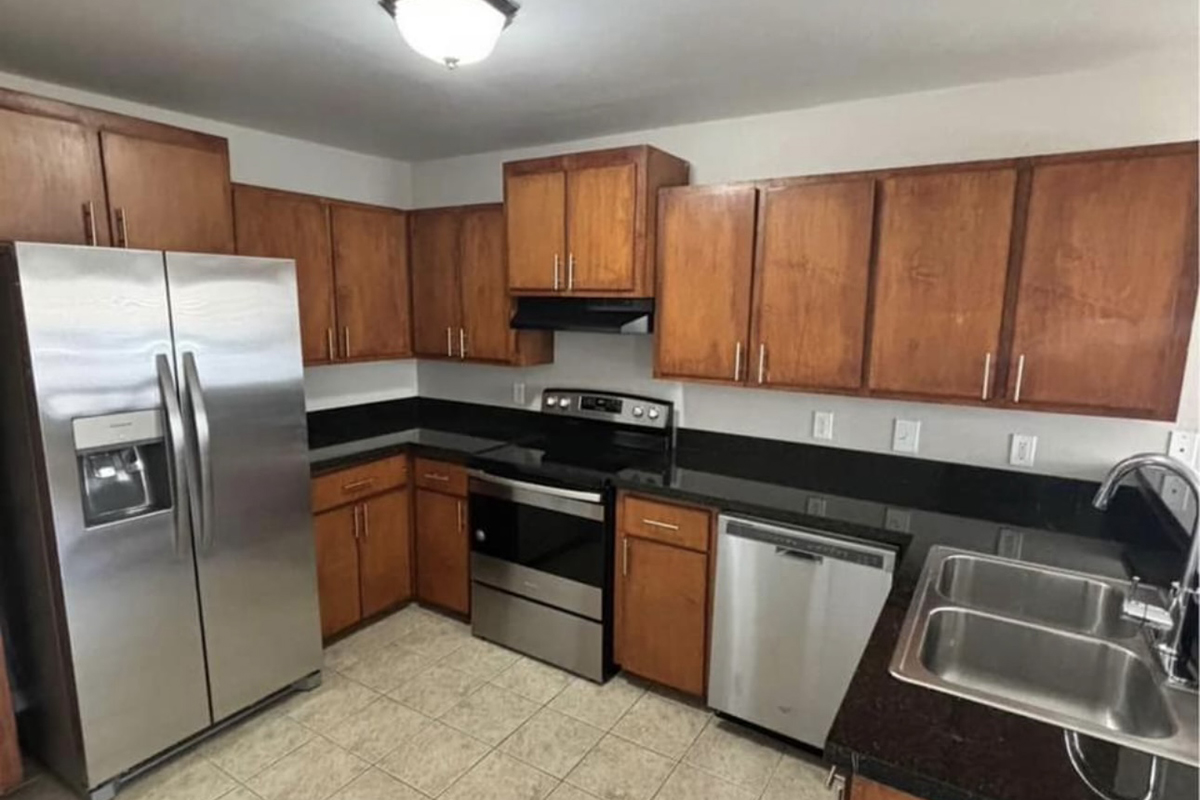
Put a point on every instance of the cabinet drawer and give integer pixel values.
(348, 485)
(682, 526)
(440, 477)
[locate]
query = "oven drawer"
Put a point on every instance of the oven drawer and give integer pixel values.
(440, 477)
(682, 526)
(573, 643)
(349, 485)
(569, 595)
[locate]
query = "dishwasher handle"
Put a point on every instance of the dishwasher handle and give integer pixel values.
(809, 544)
(803, 555)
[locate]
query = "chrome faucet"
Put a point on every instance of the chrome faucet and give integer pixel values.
(1170, 651)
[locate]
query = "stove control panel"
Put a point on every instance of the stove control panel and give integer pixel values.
(622, 409)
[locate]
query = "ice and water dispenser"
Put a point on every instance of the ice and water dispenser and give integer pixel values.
(122, 462)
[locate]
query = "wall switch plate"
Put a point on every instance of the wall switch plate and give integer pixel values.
(518, 393)
(1023, 450)
(906, 436)
(1175, 494)
(897, 519)
(1182, 447)
(815, 507)
(823, 425)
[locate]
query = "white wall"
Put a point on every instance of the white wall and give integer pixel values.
(1142, 101)
(280, 162)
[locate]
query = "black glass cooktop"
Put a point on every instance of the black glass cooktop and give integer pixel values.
(582, 457)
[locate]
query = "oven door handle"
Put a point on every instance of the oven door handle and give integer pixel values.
(552, 491)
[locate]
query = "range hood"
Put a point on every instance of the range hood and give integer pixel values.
(592, 314)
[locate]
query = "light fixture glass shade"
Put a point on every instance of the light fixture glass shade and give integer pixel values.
(451, 32)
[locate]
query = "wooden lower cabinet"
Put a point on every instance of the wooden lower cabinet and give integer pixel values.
(663, 593)
(443, 550)
(863, 789)
(364, 557)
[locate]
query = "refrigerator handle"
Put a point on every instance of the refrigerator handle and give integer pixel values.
(166, 387)
(191, 385)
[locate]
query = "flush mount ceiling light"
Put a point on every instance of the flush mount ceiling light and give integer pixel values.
(451, 32)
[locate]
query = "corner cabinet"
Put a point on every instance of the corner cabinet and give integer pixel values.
(585, 224)
(351, 270)
(76, 175)
(1058, 283)
(663, 591)
(461, 307)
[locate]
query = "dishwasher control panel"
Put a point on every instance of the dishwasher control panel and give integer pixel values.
(819, 546)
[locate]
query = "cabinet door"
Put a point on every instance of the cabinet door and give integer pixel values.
(437, 312)
(337, 568)
(663, 620)
(443, 551)
(1107, 286)
(53, 188)
(811, 280)
(168, 196)
(486, 305)
(706, 254)
(601, 204)
(370, 260)
(941, 270)
(278, 225)
(384, 550)
(535, 210)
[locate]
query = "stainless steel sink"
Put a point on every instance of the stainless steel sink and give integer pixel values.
(1045, 643)
(1059, 599)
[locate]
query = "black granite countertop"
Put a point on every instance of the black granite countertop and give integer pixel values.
(917, 740)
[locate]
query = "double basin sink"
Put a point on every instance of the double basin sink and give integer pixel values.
(1045, 643)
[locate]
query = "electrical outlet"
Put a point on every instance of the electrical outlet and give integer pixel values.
(518, 393)
(1023, 450)
(906, 436)
(816, 506)
(897, 519)
(823, 425)
(1182, 447)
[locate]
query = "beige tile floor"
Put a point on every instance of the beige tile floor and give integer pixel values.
(413, 707)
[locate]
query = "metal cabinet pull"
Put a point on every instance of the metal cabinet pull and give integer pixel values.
(737, 362)
(122, 229)
(1020, 378)
(450, 342)
(656, 524)
(556, 268)
(835, 782)
(762, 361)
(624, 556)
(570, 272)
(356, 531)
(89, 223)
(329, 343)
(366, 518)
(461, 526)
(434, 476)
(354, 486)
(346, 341)
(462, 343)
(987, 374)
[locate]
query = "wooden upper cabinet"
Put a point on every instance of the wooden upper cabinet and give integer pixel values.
(940, 276)
(370, 258)
(601, 204)
(168, 196)
(810, 292)
(584, 223)
(706, 255)
(283, 225)
(53, 188)
(535, 209)
(437, 308)
(385, 548)
(486, 305)
(1107, 285)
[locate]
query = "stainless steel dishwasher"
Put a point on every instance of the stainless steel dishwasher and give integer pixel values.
(792, 614)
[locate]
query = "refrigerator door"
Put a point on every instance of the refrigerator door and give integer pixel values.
(99, 338)
(237, 345)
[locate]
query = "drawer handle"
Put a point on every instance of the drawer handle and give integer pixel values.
(656, 524)
(354, 486)
(434, 476)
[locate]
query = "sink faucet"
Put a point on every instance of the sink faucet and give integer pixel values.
(1170, 651)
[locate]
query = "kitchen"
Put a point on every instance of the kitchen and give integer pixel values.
(648, 432)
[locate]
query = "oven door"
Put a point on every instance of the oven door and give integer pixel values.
(544, 543)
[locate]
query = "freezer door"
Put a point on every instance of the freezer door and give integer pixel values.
(99, 339)
(237, 345)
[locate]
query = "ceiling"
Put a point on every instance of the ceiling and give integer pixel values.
(336, 71)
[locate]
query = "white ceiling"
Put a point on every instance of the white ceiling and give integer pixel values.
(336, 71)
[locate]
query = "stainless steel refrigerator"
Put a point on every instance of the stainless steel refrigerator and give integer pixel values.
(157, 527)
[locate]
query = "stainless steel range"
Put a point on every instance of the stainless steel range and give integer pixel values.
(542, 517)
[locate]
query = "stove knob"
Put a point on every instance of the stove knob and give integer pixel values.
(480, 536)
(551, 401)
(637, 411)
(564, 402)
(653, 413)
